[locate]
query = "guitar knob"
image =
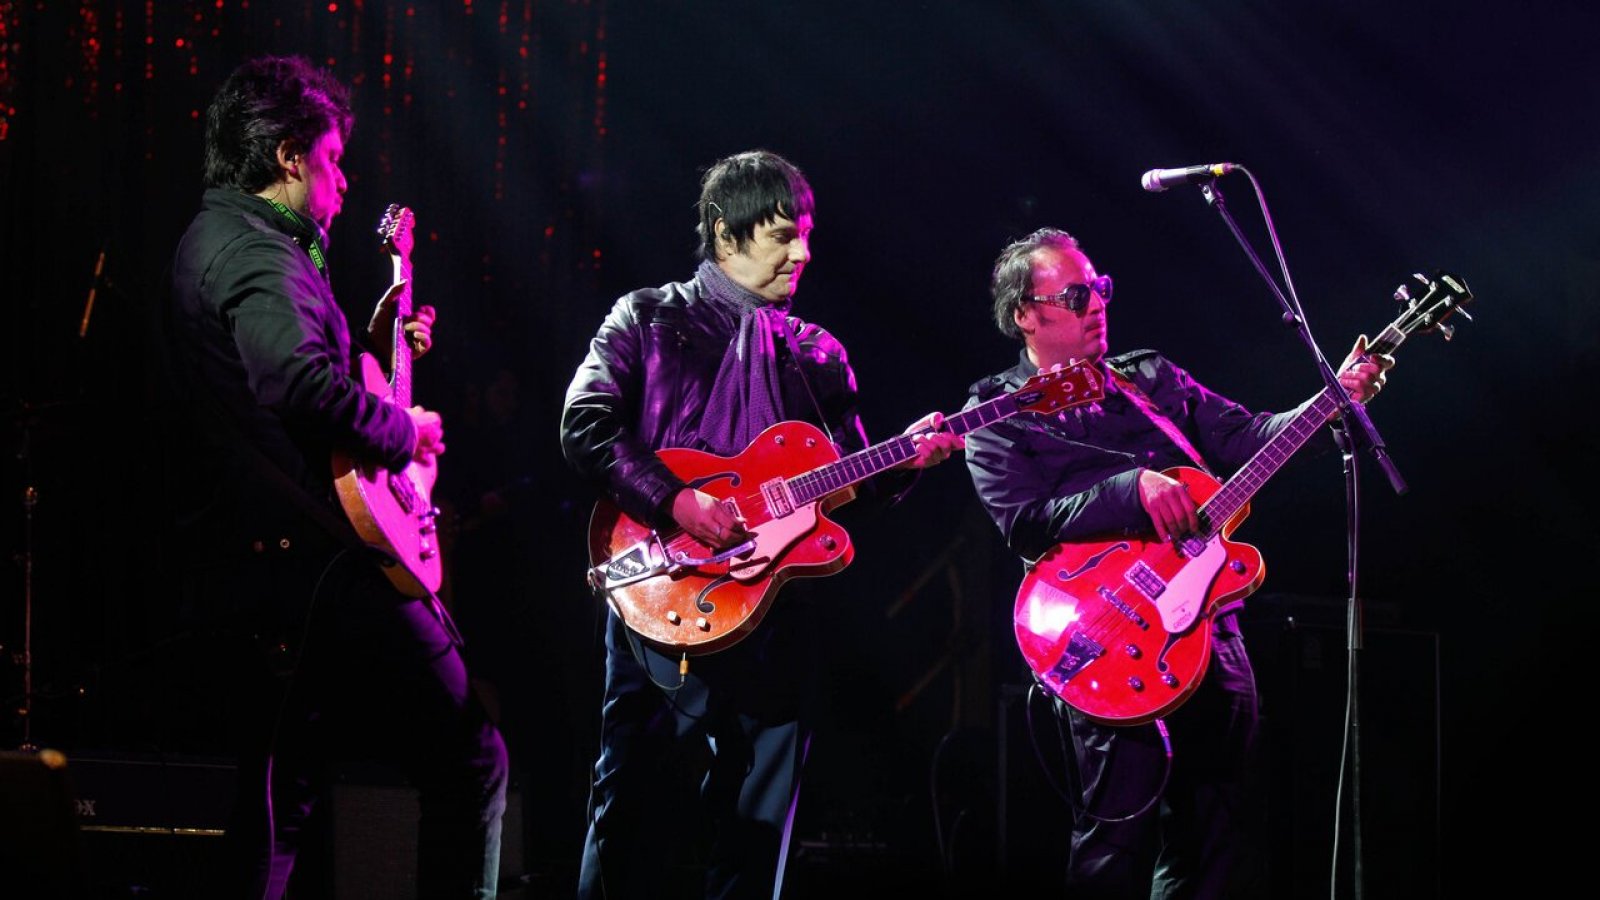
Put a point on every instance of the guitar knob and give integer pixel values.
(827, 542)
(1133, 651)
(702, 624)
(780, 440)
(1170, 680)
(1237, 566)
(1136, 682)
(673, 617)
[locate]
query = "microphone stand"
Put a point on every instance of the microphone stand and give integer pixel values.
(1349, 411)
(24, 658)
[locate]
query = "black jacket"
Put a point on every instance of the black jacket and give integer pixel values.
(644, 385)
(1074, 476)
(260, 353)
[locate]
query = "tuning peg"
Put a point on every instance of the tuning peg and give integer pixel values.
(1402, 294)
(1447, 330)
(1462, 312)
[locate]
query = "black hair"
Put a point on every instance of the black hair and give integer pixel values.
(265, 102)
(1012, 282)
(746, 190)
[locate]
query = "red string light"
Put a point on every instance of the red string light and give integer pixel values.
(190, 39)
(9, 17)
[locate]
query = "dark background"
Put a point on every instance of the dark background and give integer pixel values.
(552, 153)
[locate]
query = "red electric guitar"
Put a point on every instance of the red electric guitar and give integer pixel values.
(394, 511)
(687, 597)
(1120, 629)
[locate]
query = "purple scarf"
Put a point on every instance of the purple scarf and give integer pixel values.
(747, 396)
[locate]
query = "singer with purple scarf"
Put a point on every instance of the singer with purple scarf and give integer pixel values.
(708, 364)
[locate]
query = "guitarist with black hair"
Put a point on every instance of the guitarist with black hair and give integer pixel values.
(261, 353)
(710, 364)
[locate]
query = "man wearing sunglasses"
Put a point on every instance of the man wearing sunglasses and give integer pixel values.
(1141, 828)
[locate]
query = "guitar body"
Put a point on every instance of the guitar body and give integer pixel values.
(706, 607)
(393, 511)
(1120, 630)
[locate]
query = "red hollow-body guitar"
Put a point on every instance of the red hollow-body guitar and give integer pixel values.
(1119, 629)
(394, 511)
(689, 598)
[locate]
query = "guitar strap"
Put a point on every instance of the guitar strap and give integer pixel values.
(794, 352)
(313, 244)
(1145, 405)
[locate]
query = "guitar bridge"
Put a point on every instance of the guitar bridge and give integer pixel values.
(646, 559)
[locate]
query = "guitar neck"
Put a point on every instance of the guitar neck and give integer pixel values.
(1238, 490)
(399, 350)
(863, 464)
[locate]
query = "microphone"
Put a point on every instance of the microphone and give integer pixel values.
(1157, 180)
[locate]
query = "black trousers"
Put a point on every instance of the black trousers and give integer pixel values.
(351, 668)
(1203, 837)
(696, 786)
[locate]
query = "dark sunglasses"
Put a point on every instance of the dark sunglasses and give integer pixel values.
(1076, 296)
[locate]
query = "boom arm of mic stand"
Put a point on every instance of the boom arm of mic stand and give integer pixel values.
(1350, 410)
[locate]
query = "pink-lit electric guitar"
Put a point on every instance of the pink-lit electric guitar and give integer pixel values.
(394, 511)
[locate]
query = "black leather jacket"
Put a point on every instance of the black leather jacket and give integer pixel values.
(1074, 476)
(644, 384)
(259, 351)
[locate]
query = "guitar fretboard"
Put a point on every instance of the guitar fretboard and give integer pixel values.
(863, 464)
(1238, 490)
(400, 350)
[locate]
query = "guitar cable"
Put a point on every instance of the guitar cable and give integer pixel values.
(639, 657)
(1083, 805)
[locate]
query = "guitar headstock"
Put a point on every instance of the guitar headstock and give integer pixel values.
(1444, 295)
(396, 230)
(1049, 392)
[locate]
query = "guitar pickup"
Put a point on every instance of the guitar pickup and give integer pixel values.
(404, 492)
(1120, 606)
(1079, 652)
(1145, 579)
(646, 559)
(779, 498)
